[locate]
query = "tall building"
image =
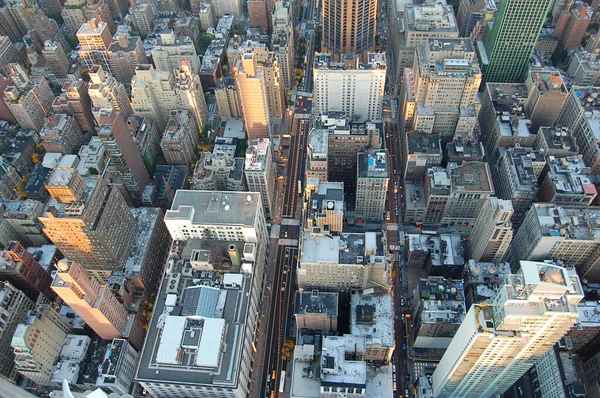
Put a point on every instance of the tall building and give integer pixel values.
(252, 92)
(227, 7)
(324, 205)
(56, 60)
(576, 22)
(118, 367)
(493, 231)
(283, 43)
(106, 92)
(61, 133)
(155, 93)
(498, 342)
(317, 155)
(180, 138)
(348, 28)
(95, 304)
(259, 171)
(14, 305)
(124, 159)
(469, 13)
(20, 222)
(24, 272)
(227, 99)
(88, 221)
(554, 373)
(94, 40)
(75, 101)
(171, 49)
(274, 86)
(259, 15)
(30, 102)
(77, 12)
(124, 55)
(142, 18)
(5, 113)
(146, 138)
(371, 184)
(516, 22)
(349, 86)
(37, 343)
(316, 310)
(546, 95)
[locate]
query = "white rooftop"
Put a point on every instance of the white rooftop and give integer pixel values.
(350, 373)
(209, 348)
(170, 342)
(381, 331)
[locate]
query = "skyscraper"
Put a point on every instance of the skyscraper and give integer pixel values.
(106, 92)
(493, 232)
(371, 184)
(511, 40)
(349, 27)
(260, 173)
(250, 82)
(498, 342)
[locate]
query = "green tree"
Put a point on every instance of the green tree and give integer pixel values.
(22, 184)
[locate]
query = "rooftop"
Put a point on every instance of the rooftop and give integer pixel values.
(442, 299)
(315, 302)
(524, 166)
(319, 142)
(373, 164)
(44, 255)
(466, 177)
(177, 126)
(419, 142)
(508, 99)
(74, 209)
(256, 154)
(589, 314)
(230, 208)
(325, 61)
(146, 218)
(415, 195)
(570, 223)
(370, 318)
(430, 18)
(327, 196)
(336, 371)
(570, 176)
(445, 249)
(347, 248)
(558, 139)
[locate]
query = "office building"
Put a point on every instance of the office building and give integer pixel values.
(493, 231)
(74, 100)
(95, 304)
(556, 141)
(91, 157)
(20, 222)
(124, 55)
(106, 92)
(146, 138)
(588, 326)
(14, 305)
(568, 234)
(584, 69)
(37, 343)
(546, 96)
(220, 170)
(88, 221)
(348, 28)
(29, 102)
(554, 373)
(437, 312)
(94, 40)
(324, 205)
(180, 138)
(498, 342)
(567, 182)
(459, 151)
(317, 154)
(423, 151)
(516, 179)
(579, 113)
(77, 12)
(124, 159)
(252, 92)
(228, 7)
(349, 86)
(56, 61)
(24, 272)
(118, 367)
(316, 310)
(502, 61)
(369, 318)
(455, 195)
(227, 99)
(282, 44)
(61, 133)
(142, 18)
(340, 263)
(155, 94)
(171, 49)
(371, 184)
(275, 87)
(469, 13)
(259, 171)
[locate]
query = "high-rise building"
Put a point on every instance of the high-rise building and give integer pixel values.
(156, 93)
(24, 272)
(180, 138)
(219, 171)
(566, 181)
(259, 171)
(351, 87)
(498, 342)
(252, 92)
(20, 222)
(124, 159)
(94, 40)
(554, 373)
(205, 12)
(493, 231)
(75, 101)
(118, 367)
(227, 99)
(316, 310)
(171, 49)
(516, 21)
(259, 16)
(14, 305)
(421, 152)
(282, 43)
(118, 8)
(30, 102)
(142, 18)
(348, 28)
(324, 205)
(37, 343)
(317, 155)
(5, 113)
(56, 59)
(546, 95)
(274, 86)
(96, 305)
(124, 55)
(88, 221)
(77, 12)
(469, 12)
(572, 25)
(227, 7)
(61, 133)
(371, 184)
(106, 92)
(146, 138)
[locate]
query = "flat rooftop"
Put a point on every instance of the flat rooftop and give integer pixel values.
(442, 299)
(558, 139)
(373, 164)
(75, 209)
(424, 143)
(570, 223)
(347, 248)
(336, 371)
(370, 318)
(257, 154)
(471, 177)
(570, 176)
(315, 302)
(589, 313)
(225, 208)
(319, 142)
(146, 218)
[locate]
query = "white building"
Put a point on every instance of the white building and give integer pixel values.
(260, 173)
(493, 231)
(171, 49)
(498, 342)
(371, 184)
(118, 367)
(353, 88)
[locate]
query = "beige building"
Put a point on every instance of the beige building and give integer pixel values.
(61, 133)
(88, 221)
(95, 304)
(205, 12)
(30, 102)
(106, 92)
(252, 94)
(316, 310)
(77, 12)
(155, 93)
(227, 7)
(493, 231)
(180, 138)
(259, 171)
(546, 95)
(56, 61)
(283, 43)
(37, 343)
(171, 49)
(142, 18)
(324, 205)
(498, 342)
(350, 86)
(124, 55)
(317, 155)
(94, 40)
(342, 262)
(227, 99)
(371, 184)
